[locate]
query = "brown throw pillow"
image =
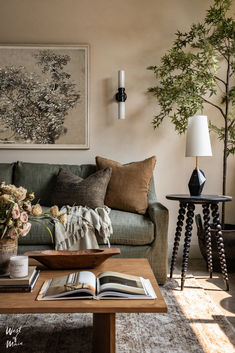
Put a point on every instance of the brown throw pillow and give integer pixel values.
(129, 184)
(71, 189)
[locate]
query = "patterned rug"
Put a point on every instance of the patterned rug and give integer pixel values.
(193, 324)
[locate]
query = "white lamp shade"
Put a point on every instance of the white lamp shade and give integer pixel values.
(198, 138)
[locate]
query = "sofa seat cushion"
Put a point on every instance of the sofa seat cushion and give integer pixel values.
(38, 234)
(130, 229)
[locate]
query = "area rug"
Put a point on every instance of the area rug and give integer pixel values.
(193, 324)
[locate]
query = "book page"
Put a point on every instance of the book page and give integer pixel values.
(120, 282)
(83, 281)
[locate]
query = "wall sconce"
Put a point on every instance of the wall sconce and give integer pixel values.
(121, 95)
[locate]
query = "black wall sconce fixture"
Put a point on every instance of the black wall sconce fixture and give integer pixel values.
(121, 94)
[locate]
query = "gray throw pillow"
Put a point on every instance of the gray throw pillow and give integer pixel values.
(71, 189)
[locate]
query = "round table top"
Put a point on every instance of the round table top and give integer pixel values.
(199, 199)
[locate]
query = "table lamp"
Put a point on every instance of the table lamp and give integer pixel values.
(197, 145)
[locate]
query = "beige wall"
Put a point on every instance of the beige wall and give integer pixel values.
(129, 35)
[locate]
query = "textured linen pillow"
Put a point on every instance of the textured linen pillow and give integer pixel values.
(71, 189)
(129, 184)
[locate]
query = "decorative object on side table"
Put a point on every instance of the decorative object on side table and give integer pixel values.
(62, 259)
(188, 202)
(16, 212)
(197, 145)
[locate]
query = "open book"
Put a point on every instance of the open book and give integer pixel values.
(85, 285)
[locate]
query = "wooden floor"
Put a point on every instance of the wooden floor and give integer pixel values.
(214, 287)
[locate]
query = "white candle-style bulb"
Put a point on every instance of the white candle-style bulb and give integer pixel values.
(121, 78)
(121, 110)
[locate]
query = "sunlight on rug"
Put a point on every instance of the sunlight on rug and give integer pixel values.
(193, 324)
(207, 321)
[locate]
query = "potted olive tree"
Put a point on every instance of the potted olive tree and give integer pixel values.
(199, 66)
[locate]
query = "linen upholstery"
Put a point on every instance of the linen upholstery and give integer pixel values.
(25, 247)
(129, 184)
(6, 172)
(130, 229)
(71, 189)
(155, 252)
(160, 217)
(41, 177)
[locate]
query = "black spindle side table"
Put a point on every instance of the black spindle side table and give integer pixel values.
(187, 206)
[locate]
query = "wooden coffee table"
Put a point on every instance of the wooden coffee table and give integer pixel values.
(103, 310)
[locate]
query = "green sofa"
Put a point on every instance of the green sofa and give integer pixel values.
(136, 235)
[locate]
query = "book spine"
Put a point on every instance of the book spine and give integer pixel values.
(18, 281)
(15, 289)
(34, 281)
(20, 288)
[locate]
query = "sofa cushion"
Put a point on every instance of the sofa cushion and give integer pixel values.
(38, 234)
(129, 184)
(41, 177)
(71, 189)
(6, 172)
(130, 229)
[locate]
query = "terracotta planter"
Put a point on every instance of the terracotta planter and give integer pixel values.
(229, 245)
(8, 248)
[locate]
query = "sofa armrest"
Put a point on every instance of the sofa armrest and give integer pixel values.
(159, 215)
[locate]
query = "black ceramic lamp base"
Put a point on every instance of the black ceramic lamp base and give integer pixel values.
(196, 182)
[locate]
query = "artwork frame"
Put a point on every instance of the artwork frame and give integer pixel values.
(44, 96)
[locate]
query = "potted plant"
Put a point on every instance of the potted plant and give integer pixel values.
(199, 66)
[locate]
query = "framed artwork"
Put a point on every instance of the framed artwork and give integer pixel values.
(44, 97)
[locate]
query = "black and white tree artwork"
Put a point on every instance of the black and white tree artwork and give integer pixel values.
(35, 103)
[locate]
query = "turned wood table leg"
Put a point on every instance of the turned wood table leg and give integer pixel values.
(206, 218)
(104, 333)
(187, 240)
(220, 243)
(177, 236)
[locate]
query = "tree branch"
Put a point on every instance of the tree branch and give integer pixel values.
(231, 124)
(220, 79)
(216, 106)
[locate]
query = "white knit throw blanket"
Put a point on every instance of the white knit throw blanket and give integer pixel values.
(79, 231)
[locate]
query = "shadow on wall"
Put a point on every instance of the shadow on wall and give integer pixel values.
(108, 101)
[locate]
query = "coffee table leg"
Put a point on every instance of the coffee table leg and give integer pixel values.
(206, 217)
(220, 243)
(177, 236)
(104, 333)
(187, 240)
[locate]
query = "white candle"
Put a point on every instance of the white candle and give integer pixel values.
(121, 110)
(121, 78)
(18, 266)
